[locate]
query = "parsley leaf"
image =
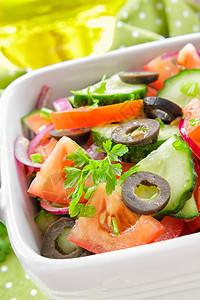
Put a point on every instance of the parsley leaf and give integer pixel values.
(99, 170)
(131, 171)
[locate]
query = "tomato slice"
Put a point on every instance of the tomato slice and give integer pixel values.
(49, 181)
(45, 147)
(164, 66)
(96, 234)
(151, 91)
(36, 121)
(194, 224)
(192, 111)
(173, 228)
(188, 58)
(72, 118)
(172, 63)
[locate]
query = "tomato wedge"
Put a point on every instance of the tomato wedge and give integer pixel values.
(36, 121)
(97, 235)
(72, 118)
(45, 147)
(173, 228)
(187, 58)
(49, 181)
(192, 111)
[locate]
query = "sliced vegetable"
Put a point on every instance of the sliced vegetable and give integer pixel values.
(192, 144)
(54, 208)
(55, 243)
(101, 134)
(44, 220)
(38, 138)
(62, 104)
(138, 77)
(165, 110)
(97, 235)
(45, 147)
(188, 58)
(109, 91)
(49, 182)
(173, 229)
(44, 97)
(177, 167)
(192, 119)
(165, 66)
(136, 132)
(172, 87)
(156, 198)
(72, 119)
(35, 121)
(21, 152)
(189, 210)
(80, 136)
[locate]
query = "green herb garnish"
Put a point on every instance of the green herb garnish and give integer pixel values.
(100, 171)
(194, 122)
(179, 145)
(36, 158)
(189, 88)
(114, 226)
(161, 122)
(142, 128)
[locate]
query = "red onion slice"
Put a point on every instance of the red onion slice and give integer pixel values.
(193, 146)
(53, 209)
(170, 54)
(21, 152)
(36, 140)
(44, 97)
(62, 104)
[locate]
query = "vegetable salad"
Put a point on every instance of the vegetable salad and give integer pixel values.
(116, 164)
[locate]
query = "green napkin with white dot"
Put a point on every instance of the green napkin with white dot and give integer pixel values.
(15, 284)
(140, 21)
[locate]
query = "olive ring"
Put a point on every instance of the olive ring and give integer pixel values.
(166, 110)
(144, 206)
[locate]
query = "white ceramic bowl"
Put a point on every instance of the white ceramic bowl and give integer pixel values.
(165, 270)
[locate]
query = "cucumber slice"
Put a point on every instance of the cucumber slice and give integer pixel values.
(44, 219)
(171, 89)
(103, 133)
(63, 244)
(114, 91)
(177, 167)
(189, 210)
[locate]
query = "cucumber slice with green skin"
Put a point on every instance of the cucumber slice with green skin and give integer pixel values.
(114, 91)
(24, 119)
(44, 220)
(171, 89)
(63, 244)
(189, 210)
(102, 134)
(177, 167)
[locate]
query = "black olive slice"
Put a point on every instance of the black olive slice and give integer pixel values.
(142, 206)
(80, 135)
(136, 132)
(50, 247)
(166, 110)
(138, 77)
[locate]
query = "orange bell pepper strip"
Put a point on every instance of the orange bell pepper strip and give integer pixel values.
(86, 117)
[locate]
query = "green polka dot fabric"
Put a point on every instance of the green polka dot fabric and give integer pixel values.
(140, 21)
(15, 284)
